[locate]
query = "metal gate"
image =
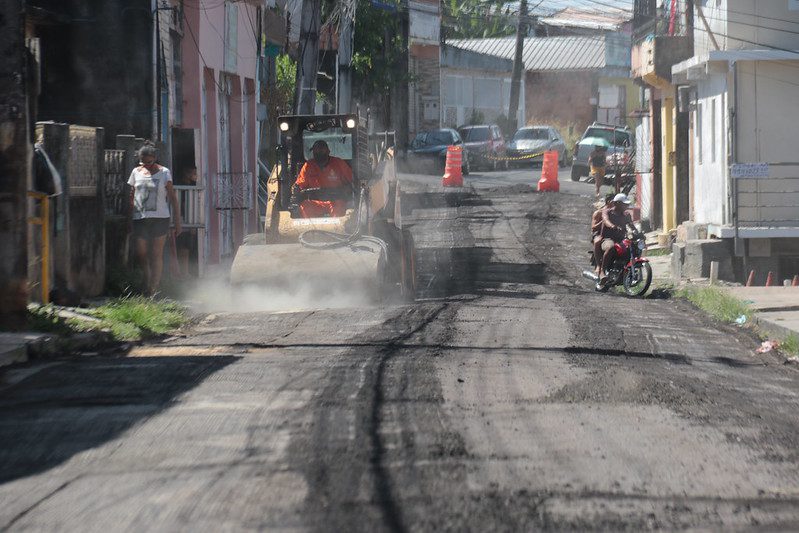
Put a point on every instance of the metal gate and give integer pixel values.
(114, 171)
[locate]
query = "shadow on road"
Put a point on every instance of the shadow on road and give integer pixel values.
(437, 200)
(469, 270)
(68, 408)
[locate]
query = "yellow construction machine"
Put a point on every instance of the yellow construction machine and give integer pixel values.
(365, 250)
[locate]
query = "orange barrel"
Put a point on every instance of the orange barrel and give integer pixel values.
(453, 171)
(549, 172)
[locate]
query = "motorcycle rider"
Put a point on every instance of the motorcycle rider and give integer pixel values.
(615, 221)
(596, 229)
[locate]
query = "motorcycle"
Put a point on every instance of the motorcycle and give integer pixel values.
(630, 269)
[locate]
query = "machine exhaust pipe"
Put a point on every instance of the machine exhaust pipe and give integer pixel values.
(587, 274)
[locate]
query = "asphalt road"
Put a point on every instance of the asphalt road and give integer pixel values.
(510, 397)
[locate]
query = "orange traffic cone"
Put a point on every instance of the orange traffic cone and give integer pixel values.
(549, 173)
(750, 281)
(770, 279)
(453, 168)
(795, 282)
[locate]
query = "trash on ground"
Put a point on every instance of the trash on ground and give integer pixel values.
(741, 320)
(768, 346)
(792, 359)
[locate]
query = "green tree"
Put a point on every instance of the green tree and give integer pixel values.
(376, 52)
(477, 19)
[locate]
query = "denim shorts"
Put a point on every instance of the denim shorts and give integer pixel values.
(150, 228)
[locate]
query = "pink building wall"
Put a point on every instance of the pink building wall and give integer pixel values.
(204, 50)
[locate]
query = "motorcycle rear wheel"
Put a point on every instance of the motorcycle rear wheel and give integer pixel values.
(638, 280)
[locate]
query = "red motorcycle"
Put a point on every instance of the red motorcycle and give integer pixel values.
(630, 269)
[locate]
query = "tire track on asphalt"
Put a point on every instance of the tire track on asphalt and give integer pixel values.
(349, 412)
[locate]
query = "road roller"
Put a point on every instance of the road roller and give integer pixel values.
(361, 250)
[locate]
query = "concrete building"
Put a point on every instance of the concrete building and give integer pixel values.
(661, 38)
(740, 92)
(181, 73)
(424, 98)
(475, 85)
(218, 122)
(569, 81)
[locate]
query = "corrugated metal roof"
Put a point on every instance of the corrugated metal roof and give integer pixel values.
(609, 20)
(544, 53)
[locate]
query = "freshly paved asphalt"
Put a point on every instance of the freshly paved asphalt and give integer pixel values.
(508, 397)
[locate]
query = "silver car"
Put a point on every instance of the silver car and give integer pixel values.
(532, 140)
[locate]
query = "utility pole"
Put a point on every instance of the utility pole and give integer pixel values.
(345, 44)
(15, 165)
(401, 88)
(308, 61)
(515, 89)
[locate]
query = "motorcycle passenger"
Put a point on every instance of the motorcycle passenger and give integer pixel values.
(596, 228)
(615, 221)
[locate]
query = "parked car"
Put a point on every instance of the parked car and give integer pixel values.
(534, 140)
(618, 138)
(486, 144)
(429, 148)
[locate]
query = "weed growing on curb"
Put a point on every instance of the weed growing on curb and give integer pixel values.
(790, 345)
(715, 302)
(127, 318)
(137, 317)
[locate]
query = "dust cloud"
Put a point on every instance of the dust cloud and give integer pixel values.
(217, 295)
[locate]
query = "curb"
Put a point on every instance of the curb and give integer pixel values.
(776, 329)
(44, 346)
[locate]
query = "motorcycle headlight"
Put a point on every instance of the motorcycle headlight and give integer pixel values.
(641, 245)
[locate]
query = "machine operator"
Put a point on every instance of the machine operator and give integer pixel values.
(324, 172)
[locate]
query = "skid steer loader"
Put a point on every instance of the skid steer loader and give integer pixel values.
(365, 250)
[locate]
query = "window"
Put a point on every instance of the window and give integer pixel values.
(699, 133)
(713, 130)
(535, 134)
(614, 136)
(475, 134)
(231, 36)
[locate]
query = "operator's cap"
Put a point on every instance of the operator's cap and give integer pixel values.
(621, 198)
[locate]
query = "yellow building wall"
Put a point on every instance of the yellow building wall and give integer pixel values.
(631, 96)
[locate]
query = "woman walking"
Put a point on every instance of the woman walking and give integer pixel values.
(151, 197)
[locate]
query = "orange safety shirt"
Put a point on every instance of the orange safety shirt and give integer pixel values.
(337, 173)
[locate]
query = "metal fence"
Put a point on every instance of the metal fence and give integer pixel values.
(234, 190)
(83, 169)
(192, 205)
(115, 179)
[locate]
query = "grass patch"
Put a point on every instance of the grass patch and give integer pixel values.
(136, 317)
(128, 318)
(716, 302)
(790, 345)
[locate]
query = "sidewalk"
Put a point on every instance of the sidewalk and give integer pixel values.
(14, 346)
(23, 346)
(776, 308)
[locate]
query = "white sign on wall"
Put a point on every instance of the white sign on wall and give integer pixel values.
(749, 170)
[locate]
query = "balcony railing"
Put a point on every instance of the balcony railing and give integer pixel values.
(669, 19)
(234, 191)
(192, 205)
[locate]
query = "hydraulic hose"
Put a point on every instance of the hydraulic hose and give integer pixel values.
(327, 240)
